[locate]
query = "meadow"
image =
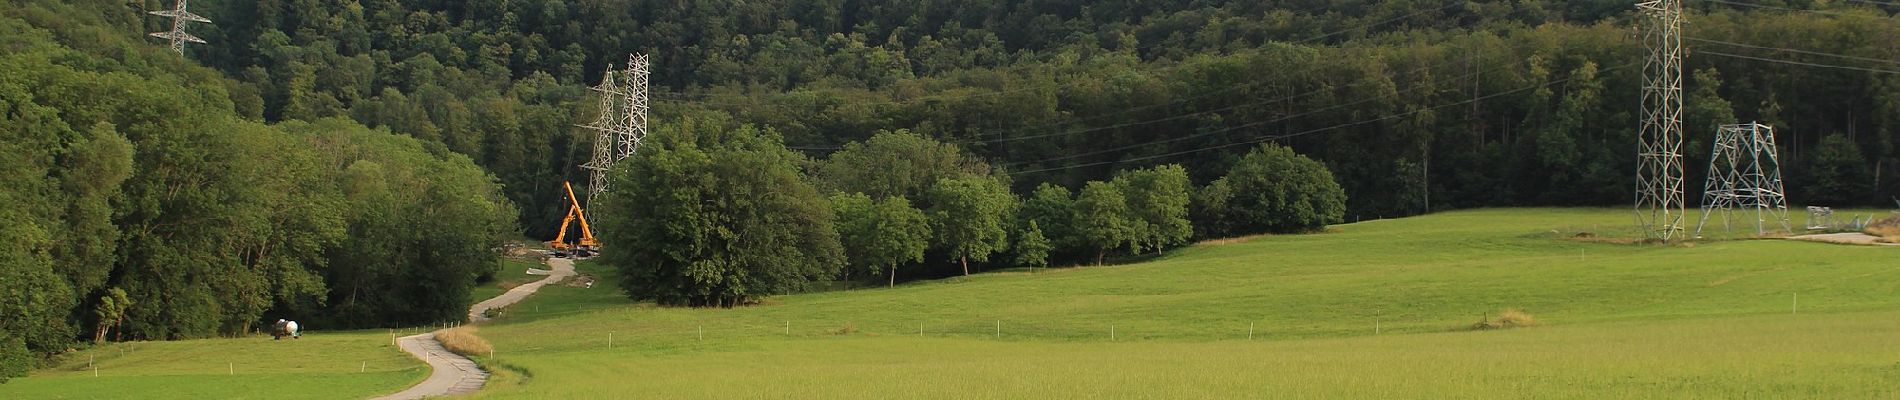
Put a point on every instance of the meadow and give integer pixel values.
(1372, 308)
(321, 365)
(1376, 309)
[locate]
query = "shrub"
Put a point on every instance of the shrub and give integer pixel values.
(462, 340)
(716, 214)
(1271, 190)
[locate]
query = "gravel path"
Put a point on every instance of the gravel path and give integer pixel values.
(454, 374)
(1845, 238)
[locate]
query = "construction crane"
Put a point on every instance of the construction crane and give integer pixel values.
(587, 246)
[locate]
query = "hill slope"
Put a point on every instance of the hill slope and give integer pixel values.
(1711, 318)
(1369, 310)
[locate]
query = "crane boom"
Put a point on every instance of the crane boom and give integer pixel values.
(587, 243)
(587, 232)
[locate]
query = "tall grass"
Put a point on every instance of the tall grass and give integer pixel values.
(462, 340)
(1887, 229)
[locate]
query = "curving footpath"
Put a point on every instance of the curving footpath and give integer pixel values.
(454, 374)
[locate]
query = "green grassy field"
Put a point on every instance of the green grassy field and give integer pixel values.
(1370, 310)
(1711, 319)
(322, 365)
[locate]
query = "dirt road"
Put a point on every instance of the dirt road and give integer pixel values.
(1845, 238)
(454, 374)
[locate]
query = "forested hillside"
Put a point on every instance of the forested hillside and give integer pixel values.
(1415, 105)
(136, 204)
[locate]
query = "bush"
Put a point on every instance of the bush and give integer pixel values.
(1271, 190)
(715, 214)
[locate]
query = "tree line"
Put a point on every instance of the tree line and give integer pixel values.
(1414, 105)
(715, 212)
(137, 204)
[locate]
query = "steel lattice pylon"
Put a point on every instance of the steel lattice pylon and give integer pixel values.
(1659, 201)
(1744, 171)
(605, 127)
(621, 125)
(177, 35)
(634, 119)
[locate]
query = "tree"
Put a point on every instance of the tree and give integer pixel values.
(971, 216)
(881, 234)
(1704, 111)
(385, 187)
(716, 214)
(110, 312)
(896, 163)
(33, 309)
(1209, 209)
(1157, 207)
(1032, 249)
(1273, 189)
(90, 175)
(1838, 175)
(1101, 218)
(1051, 208)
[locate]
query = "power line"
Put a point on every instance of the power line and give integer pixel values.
(1420, 70)
(1159, 120)
(1199, 113)
(1313, 131)
(1806, 10)
(1182, 116)
(1791, 50)
(1204, 134)
(1889, 4)
(1145, 122)
(1281, 119)
(1776, 60)
(1138, 49)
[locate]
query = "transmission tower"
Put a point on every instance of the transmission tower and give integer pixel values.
(177, 35)
(1659, 202)
(606, 129)
(622, 122)
(1745, 172)
(634, 120)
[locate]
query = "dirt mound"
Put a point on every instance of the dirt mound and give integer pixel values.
(1887, 229)
(579, 281)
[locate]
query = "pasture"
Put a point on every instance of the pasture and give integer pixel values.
(1372, 309)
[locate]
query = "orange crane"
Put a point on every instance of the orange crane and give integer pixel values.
(587, 245)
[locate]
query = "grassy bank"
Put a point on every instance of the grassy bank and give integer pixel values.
(1620, 320)
(321, 365)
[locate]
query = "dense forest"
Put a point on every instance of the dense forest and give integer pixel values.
(1415, 105)
(137, 204)
(354, 162)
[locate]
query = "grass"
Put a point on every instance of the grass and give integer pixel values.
(1848, 355)
(1177, 326)
(321, 365)
(1378, 309)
